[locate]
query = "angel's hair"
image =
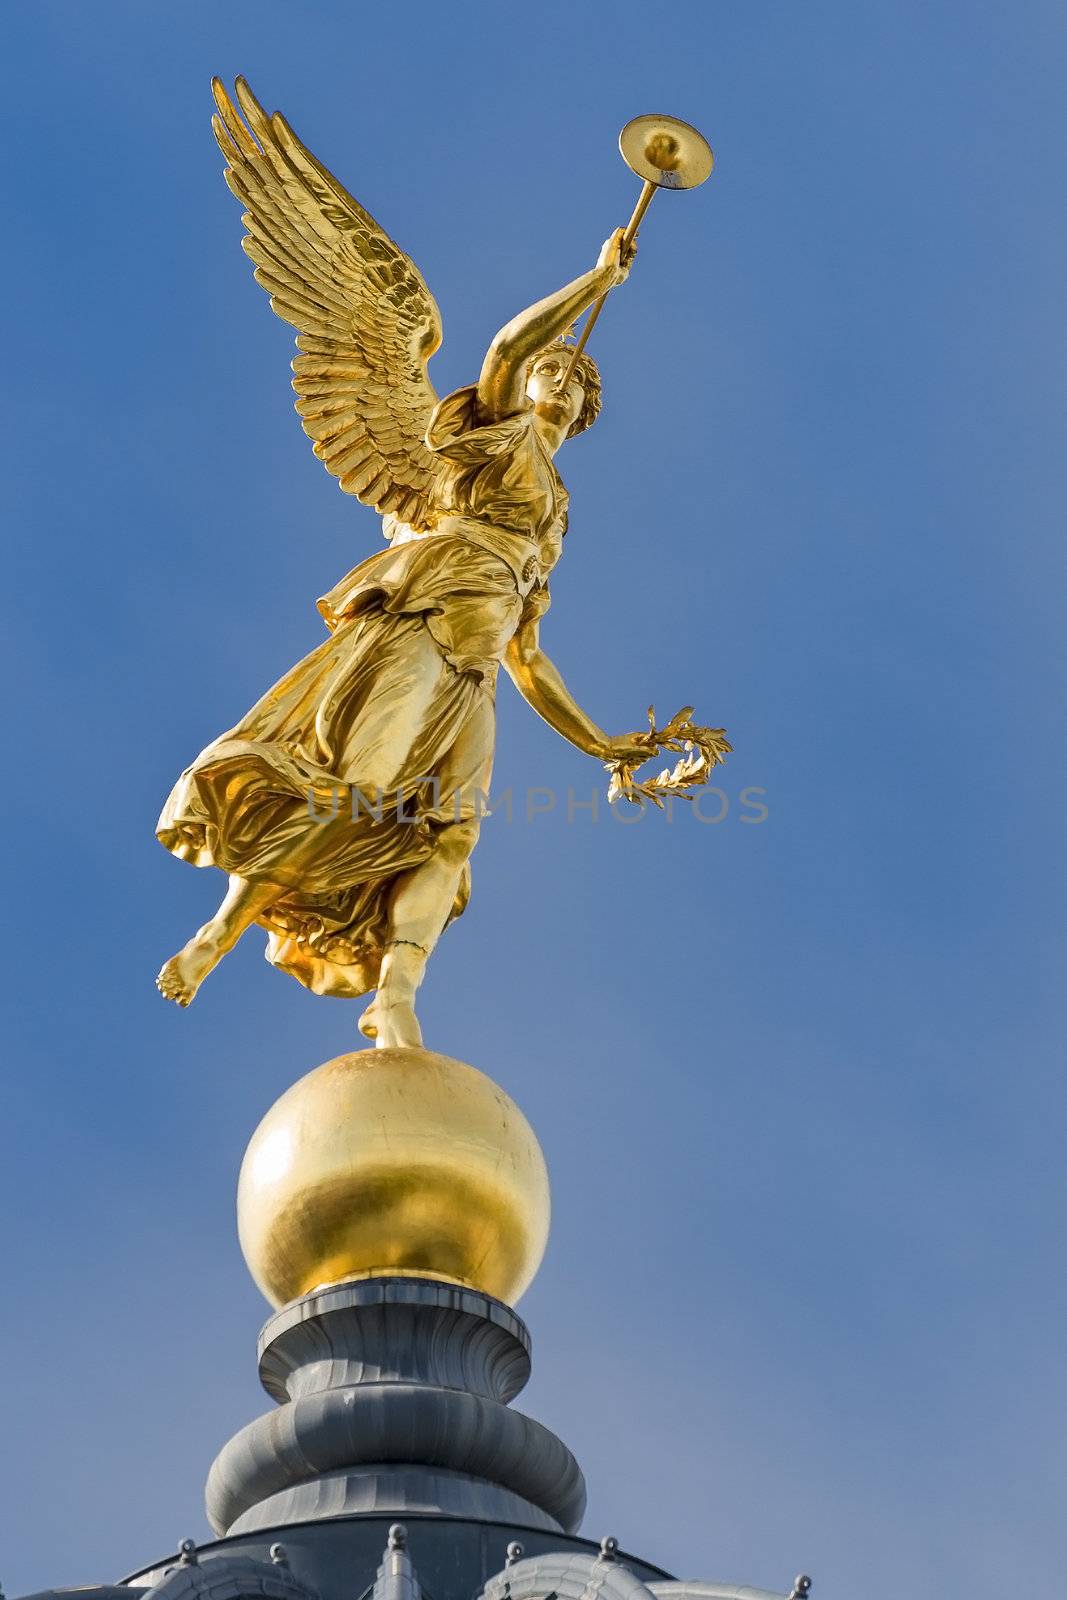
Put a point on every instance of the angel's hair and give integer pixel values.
(588, 375)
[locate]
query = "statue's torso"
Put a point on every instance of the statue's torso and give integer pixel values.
(499, 509)
(500, 472)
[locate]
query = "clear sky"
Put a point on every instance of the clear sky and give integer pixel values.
(800, 1083)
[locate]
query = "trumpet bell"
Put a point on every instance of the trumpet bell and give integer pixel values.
(666, 151)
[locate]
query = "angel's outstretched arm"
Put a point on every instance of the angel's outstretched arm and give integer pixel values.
(502, 384)
(541, 685)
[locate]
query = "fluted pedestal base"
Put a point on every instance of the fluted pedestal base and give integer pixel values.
(393, 1399)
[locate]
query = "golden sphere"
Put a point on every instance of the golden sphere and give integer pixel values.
(399, 1162)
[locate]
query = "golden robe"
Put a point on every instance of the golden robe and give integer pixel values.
(339, 779)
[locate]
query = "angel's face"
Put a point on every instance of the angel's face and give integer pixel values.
(556, 405)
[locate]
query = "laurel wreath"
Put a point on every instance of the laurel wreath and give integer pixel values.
(703, 750)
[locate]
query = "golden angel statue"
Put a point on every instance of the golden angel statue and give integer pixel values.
(396, 707)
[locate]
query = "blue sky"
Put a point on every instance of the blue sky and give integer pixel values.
(799, 1084)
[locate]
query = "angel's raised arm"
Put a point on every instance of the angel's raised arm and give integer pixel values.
(502, 383)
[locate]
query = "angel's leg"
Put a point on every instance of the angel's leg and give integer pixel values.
(420, 907)
(182, 975)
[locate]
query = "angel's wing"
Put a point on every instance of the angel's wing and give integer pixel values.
(366, 321)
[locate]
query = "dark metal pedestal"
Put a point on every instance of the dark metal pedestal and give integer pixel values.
(393, 1400)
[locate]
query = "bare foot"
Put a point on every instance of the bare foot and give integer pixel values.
(392, 1024)
(181, 976)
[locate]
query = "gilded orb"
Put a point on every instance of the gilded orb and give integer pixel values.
(399, 1162)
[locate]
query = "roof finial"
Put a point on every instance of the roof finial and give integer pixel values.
(398, 1536)
(608, 1548)
(801, 1587)
(187, 1553)
(279, 1555)
(516, 1551)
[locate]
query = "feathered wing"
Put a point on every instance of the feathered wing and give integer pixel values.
(366, 322)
